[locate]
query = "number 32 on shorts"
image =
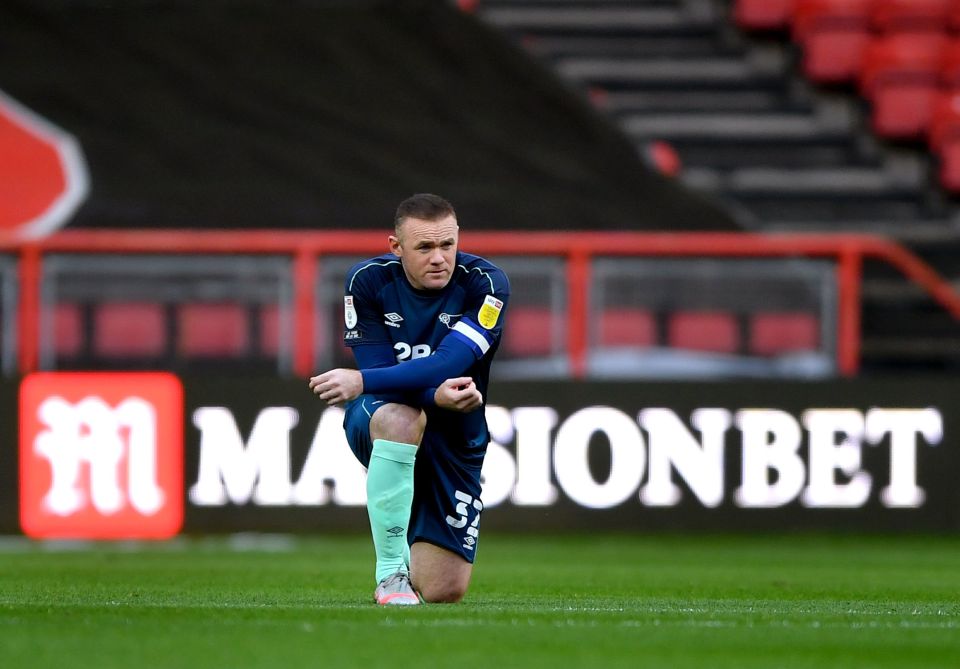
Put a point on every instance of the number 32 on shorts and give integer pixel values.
(463, 510)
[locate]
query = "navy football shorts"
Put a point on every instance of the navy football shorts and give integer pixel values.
(446, 489)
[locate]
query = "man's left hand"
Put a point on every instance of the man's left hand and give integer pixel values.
(459, 394)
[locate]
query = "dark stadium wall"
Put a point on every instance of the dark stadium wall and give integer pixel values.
(258, 114)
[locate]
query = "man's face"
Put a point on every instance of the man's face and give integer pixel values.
(428, 251)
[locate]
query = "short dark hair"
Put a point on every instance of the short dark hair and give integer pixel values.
(425, 206)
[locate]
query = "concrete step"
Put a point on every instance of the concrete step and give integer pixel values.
(744, 127)
(923, 233)
(625, 103)
(616, 18)
(779, 153)
(675, 73)
(844, 181)
(634, 46)
(753, 210)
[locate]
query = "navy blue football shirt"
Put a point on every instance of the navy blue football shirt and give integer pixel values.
(411, 340)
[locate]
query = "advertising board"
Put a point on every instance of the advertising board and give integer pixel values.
(860, 455)
(264, 454)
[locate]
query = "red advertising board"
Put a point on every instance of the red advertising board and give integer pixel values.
(101, 455)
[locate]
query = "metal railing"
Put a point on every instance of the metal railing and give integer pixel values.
(307, 250)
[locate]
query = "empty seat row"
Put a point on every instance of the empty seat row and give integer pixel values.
(127, 330)
(835, 35)
(899, 72)
(881, 15)
(532, 331)
(140, 330)
(847, 52)
(901, 78)
(903, 57)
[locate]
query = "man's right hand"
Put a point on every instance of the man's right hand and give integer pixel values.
(337, 386)
(459, 394)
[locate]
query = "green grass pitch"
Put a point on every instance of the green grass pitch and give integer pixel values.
(580, 601)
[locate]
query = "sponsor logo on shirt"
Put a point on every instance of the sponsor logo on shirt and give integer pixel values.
(490, 312)
(392, 319)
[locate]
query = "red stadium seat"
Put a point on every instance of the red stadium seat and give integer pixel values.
(810, 15)
(269, 330)
(833, 35)
(129, 329)
(945, 120)
(627, 327)
(901, 76)
(67, 330)
(530, 331)
(212, 330)
(949, 155)
(889, 16)
(268, 325)
(783, 332)
(944, 139)
(763, 14)
(714, 331)
(950, 65)
(953, 18)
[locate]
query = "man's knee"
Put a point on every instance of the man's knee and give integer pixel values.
(398, 422)
(443, 591)
(439, 575)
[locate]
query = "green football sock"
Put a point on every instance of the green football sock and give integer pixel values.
(389, 498)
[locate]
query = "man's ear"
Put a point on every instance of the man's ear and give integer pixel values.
(395, 245)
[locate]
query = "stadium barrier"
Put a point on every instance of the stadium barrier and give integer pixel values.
(578, 251)
(150, 455)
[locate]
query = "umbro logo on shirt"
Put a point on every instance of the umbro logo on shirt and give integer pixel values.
(392, 319)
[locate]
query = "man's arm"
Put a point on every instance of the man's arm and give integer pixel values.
(451, 359)
(436, 377)
(373, 356)
(342, 385)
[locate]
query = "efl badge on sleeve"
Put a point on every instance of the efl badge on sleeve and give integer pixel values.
(349, 313)
(490, 312)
